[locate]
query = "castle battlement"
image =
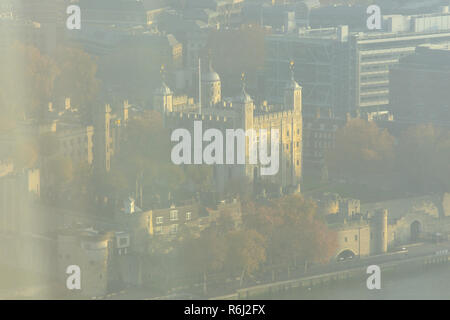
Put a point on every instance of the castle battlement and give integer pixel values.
(197, 117)
(272, 116)
(235, 113)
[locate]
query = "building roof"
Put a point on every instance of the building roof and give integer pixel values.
(244, 97)
(210, 75)
(292, 85)
(164, 90)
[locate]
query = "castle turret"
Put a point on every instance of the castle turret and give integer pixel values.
(293, 93)
(379, 226)
(211, 88)
(163, 99)
(244, 103)
(102, 139)
(126, 107)
(163, 96)
(293, 101)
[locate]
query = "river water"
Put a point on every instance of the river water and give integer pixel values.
(433, 283)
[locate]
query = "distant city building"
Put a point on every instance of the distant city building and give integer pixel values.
(121, 13)
(347, 71)
(319, 137)
(170, 223)
(419, 86)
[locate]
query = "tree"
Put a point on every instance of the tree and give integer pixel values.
(239, 187)
(141, 66)
(26, 81)
(62, 171)
(48, 144)
(293, 230)
(205, 254)
(77, 76)
(246, 252)
(145, 155)
(423, 155)
(200, 176)
(361, 148)
(25, 155)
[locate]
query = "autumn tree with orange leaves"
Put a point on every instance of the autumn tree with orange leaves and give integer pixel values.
(293, 230)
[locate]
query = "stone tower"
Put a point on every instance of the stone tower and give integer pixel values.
(244, 104)
(293, 101)
(293, 93)
(379, 225)
(211, 88)
(163, 99)
(90, 251)
(163, 96)
(102, 139)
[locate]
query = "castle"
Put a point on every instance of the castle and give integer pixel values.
(240, 112)
(377, 228)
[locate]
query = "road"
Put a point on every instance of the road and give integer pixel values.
(413, 251)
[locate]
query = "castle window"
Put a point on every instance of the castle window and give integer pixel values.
(173, 215)
(159, 220)
(345, 239)
(298, 162)
(188, 216)
(287, 133)
(158, 230)
(356, 238)
(174, 229)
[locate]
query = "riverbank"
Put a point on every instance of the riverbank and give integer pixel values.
(399, 268)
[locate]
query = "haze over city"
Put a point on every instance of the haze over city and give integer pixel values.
(224, 149)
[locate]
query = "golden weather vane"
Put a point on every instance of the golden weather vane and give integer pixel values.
(162, 72)
(291, 66)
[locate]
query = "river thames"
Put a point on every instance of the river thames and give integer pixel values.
(433, 283)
